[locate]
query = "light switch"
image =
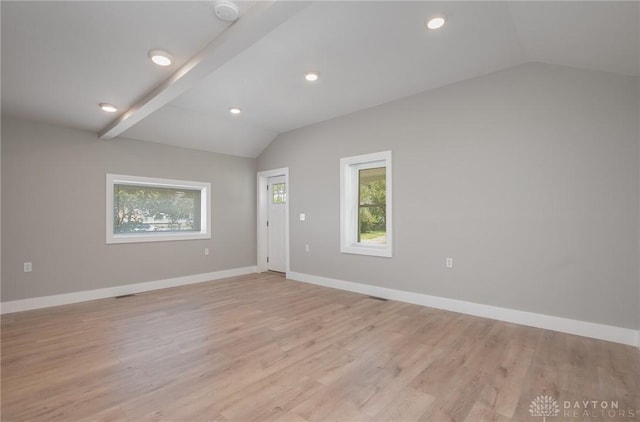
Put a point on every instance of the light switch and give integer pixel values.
(302, 217)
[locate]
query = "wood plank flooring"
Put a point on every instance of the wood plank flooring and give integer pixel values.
(262, 348)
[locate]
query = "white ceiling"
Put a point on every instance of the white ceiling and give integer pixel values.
(60, 59)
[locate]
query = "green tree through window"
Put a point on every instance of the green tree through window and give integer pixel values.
(372, 205)
(149, 209)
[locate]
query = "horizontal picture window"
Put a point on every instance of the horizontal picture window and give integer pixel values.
(143, 209)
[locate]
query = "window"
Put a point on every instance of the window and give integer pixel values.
(143, 209)
(365, 204)
(279, 193)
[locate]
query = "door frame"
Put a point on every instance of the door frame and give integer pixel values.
(263, 215)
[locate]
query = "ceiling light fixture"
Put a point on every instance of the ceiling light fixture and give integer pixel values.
(235, 110)
(226, 11)
(109, 108)
(436, 22)
(159, 57)
(312, 76)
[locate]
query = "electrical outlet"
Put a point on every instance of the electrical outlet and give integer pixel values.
(307, 248)
(449, 263)
(206, 251)
(28, 267)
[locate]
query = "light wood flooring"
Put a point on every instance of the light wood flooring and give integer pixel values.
(262, 348)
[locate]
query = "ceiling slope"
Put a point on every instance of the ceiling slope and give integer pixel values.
(60, 59)
(255, 24)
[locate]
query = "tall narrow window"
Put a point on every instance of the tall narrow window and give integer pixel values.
(141, 209)
(365, 204)
(372, 205)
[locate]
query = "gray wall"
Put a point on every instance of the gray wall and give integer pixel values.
(527, 177)
(53, 211)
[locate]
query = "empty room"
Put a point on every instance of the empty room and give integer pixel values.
(320, 211)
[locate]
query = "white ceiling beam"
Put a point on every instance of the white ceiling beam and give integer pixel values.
(257, 22)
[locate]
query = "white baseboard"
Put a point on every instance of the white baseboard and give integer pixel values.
(548, 322)
(75, 297)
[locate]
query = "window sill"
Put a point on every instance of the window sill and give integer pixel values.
(371, 250)
(153, 237)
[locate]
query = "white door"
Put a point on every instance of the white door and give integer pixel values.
(277, 198)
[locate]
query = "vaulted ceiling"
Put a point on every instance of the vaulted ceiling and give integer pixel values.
(60, 59)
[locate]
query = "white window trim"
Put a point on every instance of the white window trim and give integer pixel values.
(205, 210)
(349, 167)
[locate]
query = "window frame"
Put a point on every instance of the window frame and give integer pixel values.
(205, 209)
(349, 204)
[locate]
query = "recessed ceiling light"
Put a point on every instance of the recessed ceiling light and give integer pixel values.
(159, 57)
(311, 76)
(109, 108)
(235, 110)
(436, 22)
